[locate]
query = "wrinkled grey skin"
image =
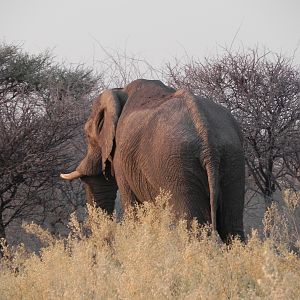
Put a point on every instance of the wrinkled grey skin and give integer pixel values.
(148, 136)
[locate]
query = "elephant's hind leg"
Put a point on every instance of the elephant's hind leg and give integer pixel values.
(230, 212)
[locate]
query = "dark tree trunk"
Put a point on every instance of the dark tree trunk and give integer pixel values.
(268, 198)
(2, 234)
(270, 186)
(2, 227)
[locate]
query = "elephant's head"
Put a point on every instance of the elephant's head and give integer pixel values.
(96, 168)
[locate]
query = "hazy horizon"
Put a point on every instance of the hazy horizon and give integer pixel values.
(158, 31)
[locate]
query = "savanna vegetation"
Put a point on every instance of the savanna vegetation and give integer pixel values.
(41, 113)
(152, 255)
(43, 106)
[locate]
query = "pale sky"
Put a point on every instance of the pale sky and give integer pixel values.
(156, 30)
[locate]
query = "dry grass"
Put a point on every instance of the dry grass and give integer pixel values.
(151, 255)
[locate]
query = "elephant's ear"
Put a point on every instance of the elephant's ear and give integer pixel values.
(105, 122)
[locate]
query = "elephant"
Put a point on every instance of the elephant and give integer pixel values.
(148, 136)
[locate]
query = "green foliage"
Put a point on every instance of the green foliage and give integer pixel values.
(30, 73)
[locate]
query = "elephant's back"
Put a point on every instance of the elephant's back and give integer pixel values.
(162, 138)
(146, 94)
(177, 118)
(160, 148)
(223, 128)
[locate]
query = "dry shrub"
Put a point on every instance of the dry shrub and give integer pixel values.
(149, 255)
(280, 222)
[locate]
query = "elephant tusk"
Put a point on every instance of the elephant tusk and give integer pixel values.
(71, 176)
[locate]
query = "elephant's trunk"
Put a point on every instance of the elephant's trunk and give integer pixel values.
(101, 191)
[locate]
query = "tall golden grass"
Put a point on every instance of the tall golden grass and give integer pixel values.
(151, 255)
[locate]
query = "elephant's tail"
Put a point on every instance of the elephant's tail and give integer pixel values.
(208, 157)
(214, 192)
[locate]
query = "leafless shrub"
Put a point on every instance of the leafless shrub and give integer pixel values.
(42, 108)
(121, 67)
